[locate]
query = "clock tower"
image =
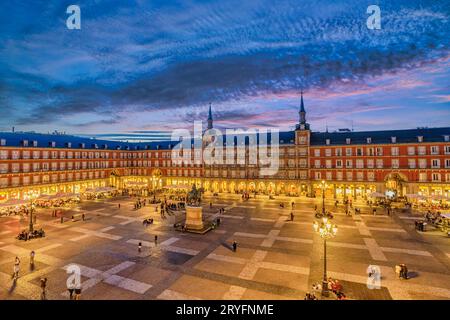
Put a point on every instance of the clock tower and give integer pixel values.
(302, 142)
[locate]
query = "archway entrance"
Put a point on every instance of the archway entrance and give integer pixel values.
(395, 185)
(156, 181)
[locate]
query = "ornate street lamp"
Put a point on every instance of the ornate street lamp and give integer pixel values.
(30, 227)
(326, 230)
(324, 186)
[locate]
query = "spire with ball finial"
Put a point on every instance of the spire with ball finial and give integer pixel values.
(210, 118)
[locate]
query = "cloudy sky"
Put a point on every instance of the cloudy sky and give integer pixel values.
(142, 67)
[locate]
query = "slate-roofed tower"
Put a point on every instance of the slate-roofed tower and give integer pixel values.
(210, 118)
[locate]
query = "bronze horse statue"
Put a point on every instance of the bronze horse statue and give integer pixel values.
(194, 197)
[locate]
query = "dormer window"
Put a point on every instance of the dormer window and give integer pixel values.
(68, 145)
(94, 146)
(447, 138)
(52, 144)
(327, 142)
(82, 145)
(348, 140)
(369, 140)
(420, 138)
(105, 146)
(2, 142)
(24, 143)
(35, 143)
(393, 139)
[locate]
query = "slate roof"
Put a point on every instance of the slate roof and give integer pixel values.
(15, 139)
(381, 137)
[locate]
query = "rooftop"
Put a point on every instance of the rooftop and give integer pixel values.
(17, 139)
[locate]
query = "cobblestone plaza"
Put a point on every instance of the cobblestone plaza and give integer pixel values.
(276, 258)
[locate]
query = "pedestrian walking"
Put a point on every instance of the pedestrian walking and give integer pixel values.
(16, 268)
(78, 291)
(234, 246)
(156, 240)
(119, 205)
(43, 288)
(62, 219)
(32, 254)
(71, 289)
(292, 216)
(403, 271)
(398, 269)
(374, 211)
(82, 216)
(140, 247)
(210, 205)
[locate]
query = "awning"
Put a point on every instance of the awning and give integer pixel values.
(13, 203)
(415, 196)
(178, 187)
(376, 195)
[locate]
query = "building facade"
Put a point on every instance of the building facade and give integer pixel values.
(342, 164)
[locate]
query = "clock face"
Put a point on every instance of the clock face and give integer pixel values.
(302, 126)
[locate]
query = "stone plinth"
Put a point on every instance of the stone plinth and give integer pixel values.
(194, 218)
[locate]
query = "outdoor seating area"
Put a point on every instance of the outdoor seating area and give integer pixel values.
(14, 207)
(57, 200)
(99, 193)
(439, 220)
(432, 202)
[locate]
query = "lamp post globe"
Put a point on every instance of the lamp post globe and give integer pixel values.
(326, 230)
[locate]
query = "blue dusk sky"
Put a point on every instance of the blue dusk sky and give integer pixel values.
(142, 68)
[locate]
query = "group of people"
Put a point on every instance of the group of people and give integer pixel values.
(310, 296)
(333, 285)
(56, 203)
(434, 217)
(27, 235)
(245, 196)
(437, 220)
(16, 270)
(140, 203)
(14, 210)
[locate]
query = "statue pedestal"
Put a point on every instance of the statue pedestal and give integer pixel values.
(194, 218)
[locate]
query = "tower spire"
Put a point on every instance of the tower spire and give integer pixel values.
(302, 105)
(302, 114)
(302, 111)
(210, 118)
